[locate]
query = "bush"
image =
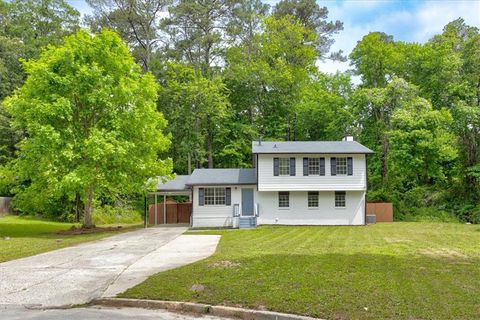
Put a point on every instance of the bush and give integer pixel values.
(115, 215)
(426, 214)
(470, 213)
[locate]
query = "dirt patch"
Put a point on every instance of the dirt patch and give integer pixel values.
(394, 240)
(78, 231)
(443, 253)
(225, 264)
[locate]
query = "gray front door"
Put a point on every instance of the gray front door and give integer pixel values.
(247, 202)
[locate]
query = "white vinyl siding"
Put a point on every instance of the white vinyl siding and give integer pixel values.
(299, 213)
(268, 182)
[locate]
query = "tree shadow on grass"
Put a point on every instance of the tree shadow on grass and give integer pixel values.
(332, 286)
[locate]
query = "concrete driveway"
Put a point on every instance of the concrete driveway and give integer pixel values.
(96, 313)
(78, 274)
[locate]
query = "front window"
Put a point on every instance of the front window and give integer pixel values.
(313, 166)
(313, 199)
(340, 199)
(284, 166)
(283, 199)
(341, 166)
(215, 196)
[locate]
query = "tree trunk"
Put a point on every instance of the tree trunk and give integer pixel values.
(77, 207)
(87, 216)
(210, 150)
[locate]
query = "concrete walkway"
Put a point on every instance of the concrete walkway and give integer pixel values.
(78, 274)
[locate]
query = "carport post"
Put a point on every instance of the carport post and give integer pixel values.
(155, 208)
(164, 208)
(145, 210)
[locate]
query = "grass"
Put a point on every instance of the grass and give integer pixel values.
(26, 236)
(384, 271)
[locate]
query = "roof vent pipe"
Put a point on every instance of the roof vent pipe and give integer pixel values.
(347, 137)
(260, 140)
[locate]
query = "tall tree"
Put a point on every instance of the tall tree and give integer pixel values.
(265, 82)
(138, 22)
(197, 110)
(25, 27)
(196, 31)
(91, 122)
(312, 17)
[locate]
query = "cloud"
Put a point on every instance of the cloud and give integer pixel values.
(406, 21)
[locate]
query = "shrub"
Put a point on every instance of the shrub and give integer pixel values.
(113, 215)
(426, 214)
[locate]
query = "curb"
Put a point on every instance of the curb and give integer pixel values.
(199, 308)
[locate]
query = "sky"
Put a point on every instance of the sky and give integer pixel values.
(407, 20)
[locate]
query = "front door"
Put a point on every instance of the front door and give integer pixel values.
(247, 202)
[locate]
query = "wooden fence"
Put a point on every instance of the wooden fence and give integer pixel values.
(382, 210)
(176, 212)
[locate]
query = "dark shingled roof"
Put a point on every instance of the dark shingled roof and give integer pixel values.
(222, 177)
(309, 147)
(177, 184)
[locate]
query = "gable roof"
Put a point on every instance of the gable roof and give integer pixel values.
(222, 177)
(177, 184)
(309, 147)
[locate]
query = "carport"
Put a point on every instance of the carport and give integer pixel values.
(170, 212)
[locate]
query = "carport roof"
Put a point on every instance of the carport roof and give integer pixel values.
(177, 184)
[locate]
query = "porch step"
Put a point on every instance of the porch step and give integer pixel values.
(247, 222)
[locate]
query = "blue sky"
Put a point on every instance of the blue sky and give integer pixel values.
(408, 20)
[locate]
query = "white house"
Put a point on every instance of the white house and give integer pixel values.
(292, 183)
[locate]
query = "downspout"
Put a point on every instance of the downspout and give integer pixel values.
(366, 187)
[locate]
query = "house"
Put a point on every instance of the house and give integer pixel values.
(292, 183)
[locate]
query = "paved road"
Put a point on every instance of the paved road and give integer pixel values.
(78, 274)
(94, 313)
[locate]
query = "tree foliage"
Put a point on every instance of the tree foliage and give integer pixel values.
(91, 123)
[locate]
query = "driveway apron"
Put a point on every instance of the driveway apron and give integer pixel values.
(78, 274)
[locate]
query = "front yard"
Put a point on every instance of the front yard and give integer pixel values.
(382, 271)
(27, 236)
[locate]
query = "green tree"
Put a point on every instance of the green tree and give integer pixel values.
(25, 27)
(197, 110)
(421, 143)
(91, 123)
(266, 81)
(138, 23)
(312, 17)
(374, 59)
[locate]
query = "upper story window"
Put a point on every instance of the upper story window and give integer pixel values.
(284, 166)
(313, 166)
(341, 166)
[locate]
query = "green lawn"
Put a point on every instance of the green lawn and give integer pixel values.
(26, 236)
(382, 271)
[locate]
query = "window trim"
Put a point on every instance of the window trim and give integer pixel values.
(340, 193)
(283, 193)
